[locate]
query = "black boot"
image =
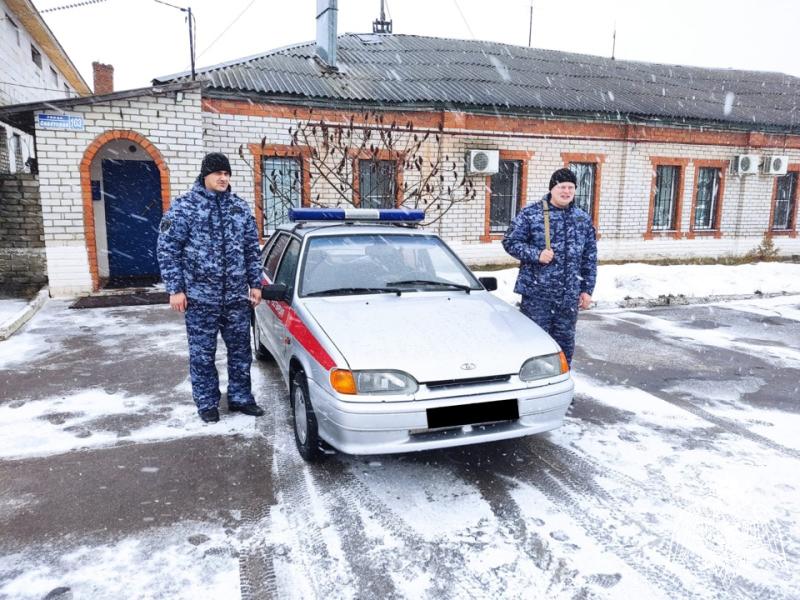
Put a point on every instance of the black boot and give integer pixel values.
(209, 416)
(253, 410)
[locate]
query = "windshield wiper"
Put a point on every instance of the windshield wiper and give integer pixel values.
(457, 286)
(344, 291)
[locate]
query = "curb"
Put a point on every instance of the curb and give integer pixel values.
(8, 328)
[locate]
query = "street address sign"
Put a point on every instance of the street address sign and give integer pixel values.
(68, 122)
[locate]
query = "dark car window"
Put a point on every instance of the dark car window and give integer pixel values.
(288, 268)
(274, 255)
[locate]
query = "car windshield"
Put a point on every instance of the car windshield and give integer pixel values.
(375, 263)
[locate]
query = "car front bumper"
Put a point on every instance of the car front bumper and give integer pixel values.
(392, 427)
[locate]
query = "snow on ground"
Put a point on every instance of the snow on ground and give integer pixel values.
(10, 308)
(618, 283)
(59, 424)
(190, 560)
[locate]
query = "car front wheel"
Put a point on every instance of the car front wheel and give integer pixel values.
(306, 435)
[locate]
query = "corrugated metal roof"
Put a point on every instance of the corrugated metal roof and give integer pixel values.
(396, 69)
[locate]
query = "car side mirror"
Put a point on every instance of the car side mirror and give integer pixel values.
(274, 291)
(490, 283)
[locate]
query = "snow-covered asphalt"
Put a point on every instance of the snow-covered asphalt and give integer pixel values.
(675, 474)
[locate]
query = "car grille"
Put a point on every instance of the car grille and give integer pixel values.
(449, 384)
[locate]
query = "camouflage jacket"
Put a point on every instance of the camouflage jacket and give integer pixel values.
(208, 247)
(572, 238)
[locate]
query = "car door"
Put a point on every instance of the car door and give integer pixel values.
(267, 319)
(286, 275)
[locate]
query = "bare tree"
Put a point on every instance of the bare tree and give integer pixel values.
(369, 162)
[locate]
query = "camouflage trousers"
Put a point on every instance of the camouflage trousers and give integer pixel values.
(555, 318)
(203, 323)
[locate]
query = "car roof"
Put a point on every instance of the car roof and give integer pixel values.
(317, 229)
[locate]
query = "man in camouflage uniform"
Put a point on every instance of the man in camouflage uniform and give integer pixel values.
(209, 257)
(555, 282)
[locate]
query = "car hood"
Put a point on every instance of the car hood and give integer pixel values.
(432, 336)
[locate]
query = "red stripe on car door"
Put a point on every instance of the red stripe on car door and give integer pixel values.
(298, 330)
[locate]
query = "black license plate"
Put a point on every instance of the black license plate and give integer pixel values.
(472, 414)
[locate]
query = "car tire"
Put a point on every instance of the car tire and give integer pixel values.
(259, 350)
(306, 434)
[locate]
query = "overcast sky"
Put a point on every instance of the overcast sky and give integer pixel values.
(143, 39)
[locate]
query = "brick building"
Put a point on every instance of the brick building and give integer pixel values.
(673, 161)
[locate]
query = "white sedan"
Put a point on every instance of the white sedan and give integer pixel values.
(388, 343)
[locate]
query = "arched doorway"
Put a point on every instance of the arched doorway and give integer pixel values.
(126, 189)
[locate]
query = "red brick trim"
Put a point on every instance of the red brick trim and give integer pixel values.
(260, 151)
(522, 156)
(86, 187)
(516, 126)
(658, 161)
(598, 160)
(722, 165)
(380, 154)
(792, 230)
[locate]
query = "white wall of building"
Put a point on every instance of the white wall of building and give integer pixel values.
(22, 80)
(172, 125)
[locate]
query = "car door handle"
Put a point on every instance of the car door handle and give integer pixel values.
(287, 340)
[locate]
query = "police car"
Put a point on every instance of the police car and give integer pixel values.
(388, 343)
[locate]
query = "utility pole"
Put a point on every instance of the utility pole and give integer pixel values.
(530, 26)
(188, 12)
(191, 39)
(614, 41)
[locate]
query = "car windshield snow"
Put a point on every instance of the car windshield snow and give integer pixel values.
(375, 263)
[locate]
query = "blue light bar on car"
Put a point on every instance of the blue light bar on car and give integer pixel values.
(397, 215)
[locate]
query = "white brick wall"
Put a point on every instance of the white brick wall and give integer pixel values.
(59, 171)
(624, 197)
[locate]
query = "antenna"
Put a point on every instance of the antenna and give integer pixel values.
(530, 26)
(382, 25)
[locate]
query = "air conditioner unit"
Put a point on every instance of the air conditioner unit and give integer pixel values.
(776, 165)
(745, 164)
(482, 162)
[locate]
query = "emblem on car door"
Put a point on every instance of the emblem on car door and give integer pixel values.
(468, 366)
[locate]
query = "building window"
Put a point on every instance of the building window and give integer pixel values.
(54, 78)
(665, 202)
(14, 29)
(67, 91)
(586, 174)
(36, 56)
(707, 199)
(504, 201)
(282, 189)
(377, 183)
(785, 202)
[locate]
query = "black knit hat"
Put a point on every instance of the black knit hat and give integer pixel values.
(561, 176)
(213, 162)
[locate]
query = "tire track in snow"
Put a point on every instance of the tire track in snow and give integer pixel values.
(569, 481)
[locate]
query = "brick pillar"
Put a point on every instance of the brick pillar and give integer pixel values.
(103, 78)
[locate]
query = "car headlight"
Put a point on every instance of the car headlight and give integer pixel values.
(541, 367)
(372, 382)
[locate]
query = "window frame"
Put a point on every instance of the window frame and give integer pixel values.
(791, 230)
(14, 29)
(518, 155)
(36, 56)
(381, 155)
(263, 224)
(716, 231)
(598, 160)
(261, 151)
(675, 232)
(516, 194)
